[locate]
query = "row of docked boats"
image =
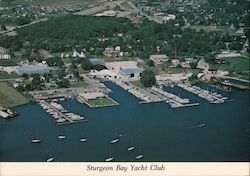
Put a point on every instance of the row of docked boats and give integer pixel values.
(212, 97)
(59, 113)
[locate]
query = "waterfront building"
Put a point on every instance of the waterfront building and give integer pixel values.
(4, 54)
(32, 69)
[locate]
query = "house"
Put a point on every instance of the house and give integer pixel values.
(126, 70)
(158, 59)
(131, 73)
(227, 54)
(4, 54)
(202, 65)
(32, 69)
(111, 52)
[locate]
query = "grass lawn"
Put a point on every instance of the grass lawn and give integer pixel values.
(105, 101)
(4, 75)
(137, 83)
(78, 84)
(9, 97)
(236, 64)
(126, 5)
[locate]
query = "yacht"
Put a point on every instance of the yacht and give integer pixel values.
(61, 137)
(110, 158)
(139, 156)
(83, 139)
(201, 125)
(131, 147)
(50, 159)
(35, 141)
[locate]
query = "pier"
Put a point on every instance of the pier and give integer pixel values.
(61, 115)
(214, 97)
(173, 100)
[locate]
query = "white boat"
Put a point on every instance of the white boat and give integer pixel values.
(113, 141)
(50, 159)
(35, 141)
(116, 139)
(139, 156)
(131, 147)
(83, 139)
(202, 125)
(50, 154)
(61, 137)
(110, 158)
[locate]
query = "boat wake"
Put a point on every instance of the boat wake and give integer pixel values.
(197, 126)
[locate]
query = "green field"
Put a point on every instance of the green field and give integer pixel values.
(4, 75)
(236, 64)
(99, 102)
(9, 97)
(78, 84)
(137, 83)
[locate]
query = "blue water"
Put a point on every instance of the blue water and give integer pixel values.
(159, 132)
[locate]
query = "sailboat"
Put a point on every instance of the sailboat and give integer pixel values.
(83, 139)
(139, 156)
(51, 158)
(131, 147)
(114, 140)
(61, 137)
(110, 158)
(35, 140)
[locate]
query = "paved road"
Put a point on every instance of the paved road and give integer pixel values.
(151, 18)
(6, 32)
(101, 8)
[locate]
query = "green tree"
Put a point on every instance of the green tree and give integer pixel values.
(148, 78)
(86, 64)
(150, 63)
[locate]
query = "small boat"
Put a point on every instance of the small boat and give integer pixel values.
(113, 141)
(61, 137)
(201, 125)
(50, 159)
(139, 156)
(131, 147)
(50, 154)
(35, 141)
(110, 158)
(83, 139)
(116, 139)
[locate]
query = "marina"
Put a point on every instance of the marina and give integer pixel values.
(154, 121)
(212, 97)
(60, 114)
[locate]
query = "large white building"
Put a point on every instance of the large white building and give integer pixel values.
(4, 54)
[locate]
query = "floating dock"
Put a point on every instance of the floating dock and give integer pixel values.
(214, 97)
(61, 115)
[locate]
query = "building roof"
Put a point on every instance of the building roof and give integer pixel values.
(92, 95)
(128, 71)
(2, 50)
(96, 61)
(30, 69)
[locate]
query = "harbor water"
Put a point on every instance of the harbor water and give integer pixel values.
(159, 132)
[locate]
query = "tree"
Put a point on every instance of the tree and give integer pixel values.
(148, 78)
(150, 63)
(86, 64)
(3, 27)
